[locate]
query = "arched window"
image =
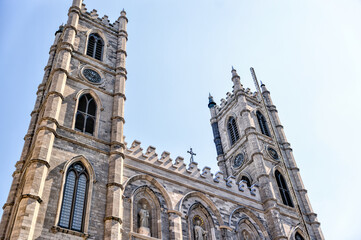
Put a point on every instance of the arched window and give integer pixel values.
(285, 193)
(232, 130)
(74, 198)
(244, 178)
(263, 124)
(298, 237)
(85, 116)
(95, 46)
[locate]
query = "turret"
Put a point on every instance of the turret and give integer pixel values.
(236, 80)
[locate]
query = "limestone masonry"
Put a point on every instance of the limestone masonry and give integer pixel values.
(78, 179)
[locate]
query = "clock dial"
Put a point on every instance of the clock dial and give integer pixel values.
(273, 153)
(92, 75)
(238, 160)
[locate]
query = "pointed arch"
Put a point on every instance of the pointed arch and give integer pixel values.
(74, 202)
(141, 196)
(245, 176)
(104, 39)
(263, 123)
(252, 219)
(297, 234)
(232, 130)
(283, 189)
(155, 183)
(87, 112)
(209, 203)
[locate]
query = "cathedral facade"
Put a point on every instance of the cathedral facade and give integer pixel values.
(78, 179)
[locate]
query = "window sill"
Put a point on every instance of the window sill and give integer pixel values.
(140, 236)
(56, 229)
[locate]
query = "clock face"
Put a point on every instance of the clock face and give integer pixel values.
(273, 153)
(92, 75)
(238, 160)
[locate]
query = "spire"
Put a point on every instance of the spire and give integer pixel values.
(211, 103)
(236, 80)
(234, 73)
(123, 13)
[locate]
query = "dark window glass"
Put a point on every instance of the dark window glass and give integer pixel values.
(82, 104)
(244, 178)
(232, 130)
(92, 107)
(89, 125)
(95, 46)
(285, 193)
(79, 123)
(263, 124)
(298, 237)
(85, 116)
(75, 191)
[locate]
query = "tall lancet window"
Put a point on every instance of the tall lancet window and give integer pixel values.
(74, 198)
(85, 115)
(282, 186)
(232, 130)
(263, 124)
(95, 46)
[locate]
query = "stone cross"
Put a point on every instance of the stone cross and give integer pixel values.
(192, 154)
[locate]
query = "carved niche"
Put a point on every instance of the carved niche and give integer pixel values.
(200, 223)
(146, 213)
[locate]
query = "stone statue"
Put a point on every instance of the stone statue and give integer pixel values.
(144, 221)
(199, 233)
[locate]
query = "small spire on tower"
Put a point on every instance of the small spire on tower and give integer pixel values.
(211, 103)
(234, 72)
(123, 12)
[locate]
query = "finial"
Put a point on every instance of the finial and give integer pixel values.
(60, 30)
(262, 83)
(211, 102)
(234, 72)
(123, 12)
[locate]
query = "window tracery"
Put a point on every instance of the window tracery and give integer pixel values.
(263, 124)
(74, 198)
(86, 114)
(95, 46)
(285, 193)
(232, 130)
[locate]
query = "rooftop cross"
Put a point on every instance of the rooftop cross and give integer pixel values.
(192, 154)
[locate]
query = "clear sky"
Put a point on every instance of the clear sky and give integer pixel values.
(308, 53)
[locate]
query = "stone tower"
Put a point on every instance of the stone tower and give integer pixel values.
(252, 147)
(78, 118)
(78, 179)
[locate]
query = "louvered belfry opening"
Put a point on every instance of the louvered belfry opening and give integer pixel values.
(232, 130)
(263, 124)
(74, 198)
(285, 193)
(95, 46)
(85, 116)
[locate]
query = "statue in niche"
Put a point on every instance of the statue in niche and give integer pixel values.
(246, 235)
(144, 221)
(199, 233)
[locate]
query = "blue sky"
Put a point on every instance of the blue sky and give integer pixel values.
(308, 53)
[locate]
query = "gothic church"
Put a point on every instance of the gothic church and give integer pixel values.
(78, 179)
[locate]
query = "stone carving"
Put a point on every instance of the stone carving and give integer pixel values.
(199, 233)
(246, 235)
(144, 221)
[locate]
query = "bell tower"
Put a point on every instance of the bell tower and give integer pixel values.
(74, 145)
(252, 148)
